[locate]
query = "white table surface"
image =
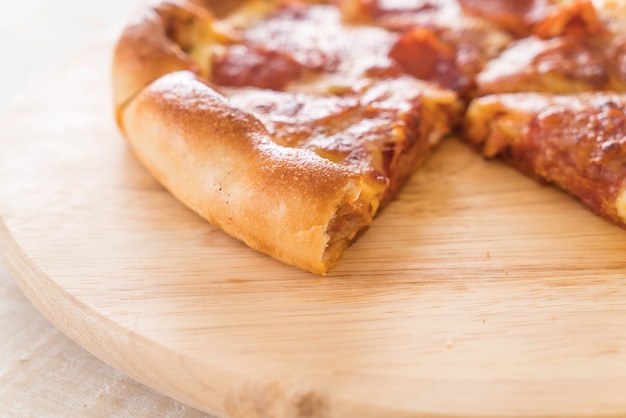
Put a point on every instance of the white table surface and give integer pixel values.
(42, 372)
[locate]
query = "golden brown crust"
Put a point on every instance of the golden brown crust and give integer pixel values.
(144, 53)
(221, 162)
(165, 38)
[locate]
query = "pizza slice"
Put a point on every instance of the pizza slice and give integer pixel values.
(571, 50)
(276, 132)
(577, 142)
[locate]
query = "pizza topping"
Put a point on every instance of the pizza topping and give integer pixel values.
(578, 18)
(583, 151)
(517, 16)
(390, 12)
(296, 30)
(219, 7)
(369, 131)
(576, 142)
(334, 59)
(244, 65)
(421, 54)
(561, 65)
(457, 41)
(397, 15)
(616, 56)
(591, 139)
(498, 129)
(613, 14)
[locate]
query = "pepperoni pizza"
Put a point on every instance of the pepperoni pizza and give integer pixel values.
(290, 124)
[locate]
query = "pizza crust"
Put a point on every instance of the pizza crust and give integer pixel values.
(221, 162)
(171, 36)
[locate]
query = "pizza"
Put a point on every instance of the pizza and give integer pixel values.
(577, 142)
(290, 124)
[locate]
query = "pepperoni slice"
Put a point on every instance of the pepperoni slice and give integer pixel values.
(245, 65)
(421, 54)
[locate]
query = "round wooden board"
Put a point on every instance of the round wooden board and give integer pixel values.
(476, 293)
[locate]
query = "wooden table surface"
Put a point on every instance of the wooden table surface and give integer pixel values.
(42, 372)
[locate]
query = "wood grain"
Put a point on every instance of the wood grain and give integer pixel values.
(476, 293)
(44, 374)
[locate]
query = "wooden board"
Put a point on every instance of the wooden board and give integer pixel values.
(477, 293)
